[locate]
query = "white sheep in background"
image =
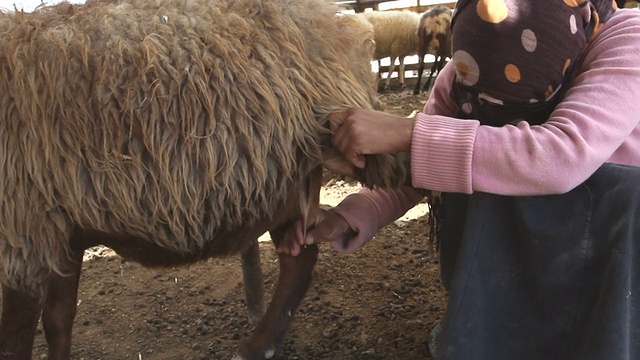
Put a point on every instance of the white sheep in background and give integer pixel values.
(396, 36)
(358, 24)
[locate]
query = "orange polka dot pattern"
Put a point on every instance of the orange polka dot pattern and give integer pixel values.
(514, 52)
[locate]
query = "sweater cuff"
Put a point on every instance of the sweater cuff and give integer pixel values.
(369, 210)
(442, 152)
(360, 213)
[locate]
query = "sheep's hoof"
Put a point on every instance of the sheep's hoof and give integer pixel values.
(249, 351)
(267, 355)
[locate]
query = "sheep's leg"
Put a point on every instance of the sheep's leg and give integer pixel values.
(435, 68)
(293, 280)
(427, 84)
(253, 282)
(401, 73)
(416, 90)
(60, 307)
(392, 67)
(18, 322)
(293, 283)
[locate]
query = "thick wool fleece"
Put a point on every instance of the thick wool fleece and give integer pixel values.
(166, 120)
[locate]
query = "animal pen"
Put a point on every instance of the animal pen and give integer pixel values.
(411, 62)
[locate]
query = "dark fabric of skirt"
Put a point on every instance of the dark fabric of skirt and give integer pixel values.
(544, 277)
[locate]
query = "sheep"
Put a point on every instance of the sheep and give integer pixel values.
(395, 35)
(434, 37)
(622, 3)
(171, 131)
(358, 23)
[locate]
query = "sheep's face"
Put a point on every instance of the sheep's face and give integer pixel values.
(431, 43)
(434, 30)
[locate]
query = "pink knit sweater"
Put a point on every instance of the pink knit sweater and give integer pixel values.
(598, 121)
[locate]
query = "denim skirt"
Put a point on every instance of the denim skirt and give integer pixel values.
(544, 277)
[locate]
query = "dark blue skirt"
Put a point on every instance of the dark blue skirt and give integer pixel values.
(544, 277)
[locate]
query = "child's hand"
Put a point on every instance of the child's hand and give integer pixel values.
(321, 226)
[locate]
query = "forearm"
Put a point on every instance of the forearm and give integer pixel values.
(370, 210)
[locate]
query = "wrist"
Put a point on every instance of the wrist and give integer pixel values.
(405, 133)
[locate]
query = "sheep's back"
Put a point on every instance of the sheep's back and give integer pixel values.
(396, 32)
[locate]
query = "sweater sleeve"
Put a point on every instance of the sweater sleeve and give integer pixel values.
(370, 210)
(441, 145)
(596, 116)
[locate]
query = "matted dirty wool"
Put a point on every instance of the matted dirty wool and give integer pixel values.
(170, 120)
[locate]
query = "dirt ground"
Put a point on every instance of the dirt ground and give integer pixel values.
(379, 303)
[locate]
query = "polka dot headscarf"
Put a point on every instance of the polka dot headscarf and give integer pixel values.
(512, 57)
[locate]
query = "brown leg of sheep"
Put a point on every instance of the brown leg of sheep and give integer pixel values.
(401, 73)
(293, 283)
(60, 307)
(20, 314)
(437, 65)
(392, 67)
(421, 53)
(253, 282)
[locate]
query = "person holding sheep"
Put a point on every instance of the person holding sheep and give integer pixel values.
(539, 180)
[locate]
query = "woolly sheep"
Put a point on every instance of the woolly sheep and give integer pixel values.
(359, 24)
(434, 37)
(395, 35)
(171, 131)
(622, 3)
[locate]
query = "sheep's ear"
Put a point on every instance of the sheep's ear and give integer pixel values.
(333, 161)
